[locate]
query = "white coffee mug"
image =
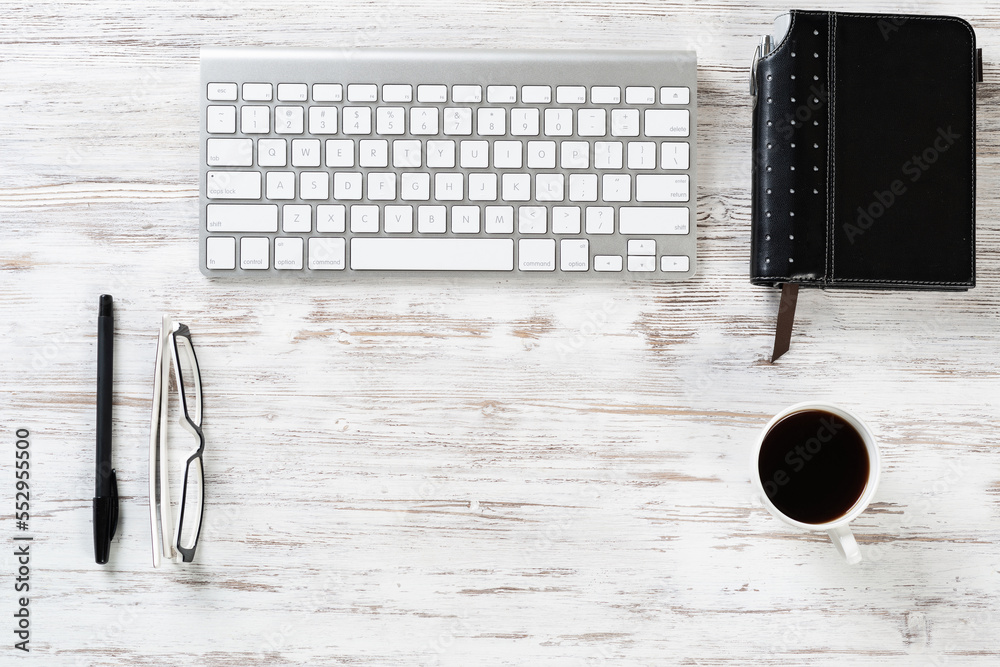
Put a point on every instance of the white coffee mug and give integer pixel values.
(836, 529)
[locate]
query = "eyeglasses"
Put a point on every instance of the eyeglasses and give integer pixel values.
(181, 538)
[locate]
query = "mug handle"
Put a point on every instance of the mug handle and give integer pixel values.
(844, 540)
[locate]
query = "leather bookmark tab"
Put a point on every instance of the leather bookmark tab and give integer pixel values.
(786, 318)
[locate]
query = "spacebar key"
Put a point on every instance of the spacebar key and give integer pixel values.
(382, 254)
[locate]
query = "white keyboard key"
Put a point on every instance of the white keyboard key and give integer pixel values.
(339, 153)
(575, 155)
(516, 187)
(397, 92)
(432, 219)
(222, 92)
(501, 94)
(668, 122)
(600, 220)
(314, 185)
(281, 185)
(592, 122)
(288, 253)
(257, 92)
(242, 218)
(373, 153)
(675, 155)
(625, 122)
(669, 95)
(566, 220)
(464, 219)
(644, 264)
(524, 122)
(541, 155)
(364, 219)
(357, 120)
(558, 122)
(233, 185)
(658, 188)
(608, 155)
(432, 94)
(441, 154)
(382, 186)
(583, 187)
(362, 92)
(642, 155)
(230, 152)
(467, 94)
(616, 187)
(272, 152)
(653, 220)
(536, 94)
(475, 154)
(296, 218)
(255, 253)
(328, 92)
(499, 219)
(406, 153)
(482, 187)
(293, 92)
(288, 120)
(574, 254)
(448, 187)
(389, 120)
(221, 120)
(549, 187)
(331, 218)
(398, 219)
(675, 263)
(327, 254)
(536, 254)
(641, 247)
(491, 122)
(607, 263)
(322, 120)
(531, 220)
(424, 254)
(415, 187)
(305, 152)
(255, 120)
(458, 121)
(220, 252)
(571, 95)
(347, 185)
(605, 95)
(507, 154)
(640, 95)
(423, 120)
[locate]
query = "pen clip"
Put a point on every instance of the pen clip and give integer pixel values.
(763, 48)
(113, 515)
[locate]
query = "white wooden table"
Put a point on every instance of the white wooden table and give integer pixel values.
(467, 472)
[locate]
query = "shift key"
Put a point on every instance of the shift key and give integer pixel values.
(654, 220)
(242, 218)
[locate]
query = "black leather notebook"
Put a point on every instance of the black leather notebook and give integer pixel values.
(864, 144)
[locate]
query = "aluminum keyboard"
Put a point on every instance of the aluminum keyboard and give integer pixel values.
(343, 162)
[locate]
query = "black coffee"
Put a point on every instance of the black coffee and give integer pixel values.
(814, 466)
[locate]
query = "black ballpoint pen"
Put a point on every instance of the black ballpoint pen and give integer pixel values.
(106, 492)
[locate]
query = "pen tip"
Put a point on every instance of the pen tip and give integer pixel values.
(105, 309)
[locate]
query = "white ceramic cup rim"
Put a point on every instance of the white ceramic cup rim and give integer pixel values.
(874, 467)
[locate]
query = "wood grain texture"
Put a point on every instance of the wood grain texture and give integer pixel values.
(469, 472)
